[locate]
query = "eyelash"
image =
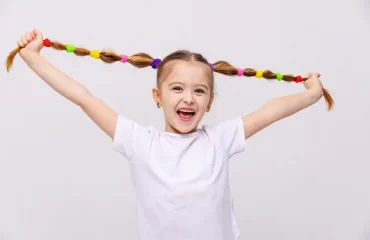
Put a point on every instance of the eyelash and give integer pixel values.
(177, 89)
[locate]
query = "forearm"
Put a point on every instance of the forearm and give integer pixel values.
(285, 106)
(60, 82)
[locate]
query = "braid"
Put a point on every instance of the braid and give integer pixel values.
(142, 60)
(139, 60)
(226, 68)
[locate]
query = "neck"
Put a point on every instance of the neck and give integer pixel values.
(171, 129)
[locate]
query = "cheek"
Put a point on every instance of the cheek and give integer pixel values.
(203, 101)
(170, 100)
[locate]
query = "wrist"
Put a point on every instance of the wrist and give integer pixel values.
(315, 94)
(24, 53)
(29, 56)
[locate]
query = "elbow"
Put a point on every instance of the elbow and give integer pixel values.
(81, 96)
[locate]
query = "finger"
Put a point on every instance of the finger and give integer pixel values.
(33, 34)
(20, 44)
(317, 75)
(24, 41)
(35, 31)
(29, 37)
(38, 35)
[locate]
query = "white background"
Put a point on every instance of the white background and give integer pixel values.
(306, 177)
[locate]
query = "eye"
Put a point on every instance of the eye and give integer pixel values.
(176, 88)
(200, 91)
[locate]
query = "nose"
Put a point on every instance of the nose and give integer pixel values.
(188, 97)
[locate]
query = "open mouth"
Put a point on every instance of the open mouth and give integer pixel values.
(185, 115)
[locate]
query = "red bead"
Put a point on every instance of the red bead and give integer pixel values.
(298, 79)
(47, 42)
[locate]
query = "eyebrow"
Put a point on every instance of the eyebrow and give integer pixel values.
(182, 84)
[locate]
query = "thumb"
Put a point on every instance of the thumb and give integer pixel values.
(308, 75)
(38, 35)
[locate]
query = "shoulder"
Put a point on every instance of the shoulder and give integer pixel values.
(129, 135)
(225, 127)
(227, 135)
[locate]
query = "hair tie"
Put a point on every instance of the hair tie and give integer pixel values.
(70, 48)
(124, 58)
(298, 79)
(155, 63)
(259, 74)
(95, 54)
(279, 76)
(240, 72)
(212, 67)
(46, 42)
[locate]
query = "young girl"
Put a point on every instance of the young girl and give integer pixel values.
(180, 174)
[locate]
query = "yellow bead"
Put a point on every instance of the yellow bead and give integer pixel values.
(95, 54)
(259, 74)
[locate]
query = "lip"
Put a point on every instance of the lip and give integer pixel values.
(185, 119)
(186, 108)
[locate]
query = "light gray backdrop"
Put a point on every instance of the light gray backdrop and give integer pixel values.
(306, 177)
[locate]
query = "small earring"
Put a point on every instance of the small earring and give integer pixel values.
(158, 104)
(208, 109)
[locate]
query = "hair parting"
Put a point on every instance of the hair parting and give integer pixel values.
(142, 60)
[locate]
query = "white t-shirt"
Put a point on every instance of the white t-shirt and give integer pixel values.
(181, 181)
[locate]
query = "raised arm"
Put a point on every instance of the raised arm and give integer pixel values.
(282, 107)
(31, 44)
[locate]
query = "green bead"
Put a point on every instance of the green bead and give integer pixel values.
(70, 48)
(279, 76)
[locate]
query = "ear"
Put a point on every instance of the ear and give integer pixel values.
(156, 95)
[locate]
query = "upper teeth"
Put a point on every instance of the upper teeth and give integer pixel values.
(183, 110)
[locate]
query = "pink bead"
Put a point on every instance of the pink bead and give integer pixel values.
(124, 58)
(240, 72)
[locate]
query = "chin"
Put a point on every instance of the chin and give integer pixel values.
(187, 125)
(184, 123)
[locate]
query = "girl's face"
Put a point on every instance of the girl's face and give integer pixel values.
(185, 94)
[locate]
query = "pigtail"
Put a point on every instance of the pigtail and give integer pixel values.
(226, 68)
(10, 58)
(142, 60)
(139, 60)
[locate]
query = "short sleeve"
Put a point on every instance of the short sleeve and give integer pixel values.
(231, 136)
(127, 137)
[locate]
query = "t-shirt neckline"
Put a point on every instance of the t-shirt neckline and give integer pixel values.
(181, 135)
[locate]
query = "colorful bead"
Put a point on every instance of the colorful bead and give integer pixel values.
(95, 54)
(212, 67)
(46, 42)
(298, 79)
(70, 48)
(155, 63)
(259, 74)
(279, 76)
(240, 72)
(124, 58)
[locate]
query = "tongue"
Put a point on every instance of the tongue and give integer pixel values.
(185, 115)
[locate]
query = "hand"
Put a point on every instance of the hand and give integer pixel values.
(314, 84)
(32, 41)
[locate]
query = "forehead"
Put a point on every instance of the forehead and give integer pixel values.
(187, 72)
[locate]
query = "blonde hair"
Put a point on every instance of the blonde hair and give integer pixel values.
(142, 60)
